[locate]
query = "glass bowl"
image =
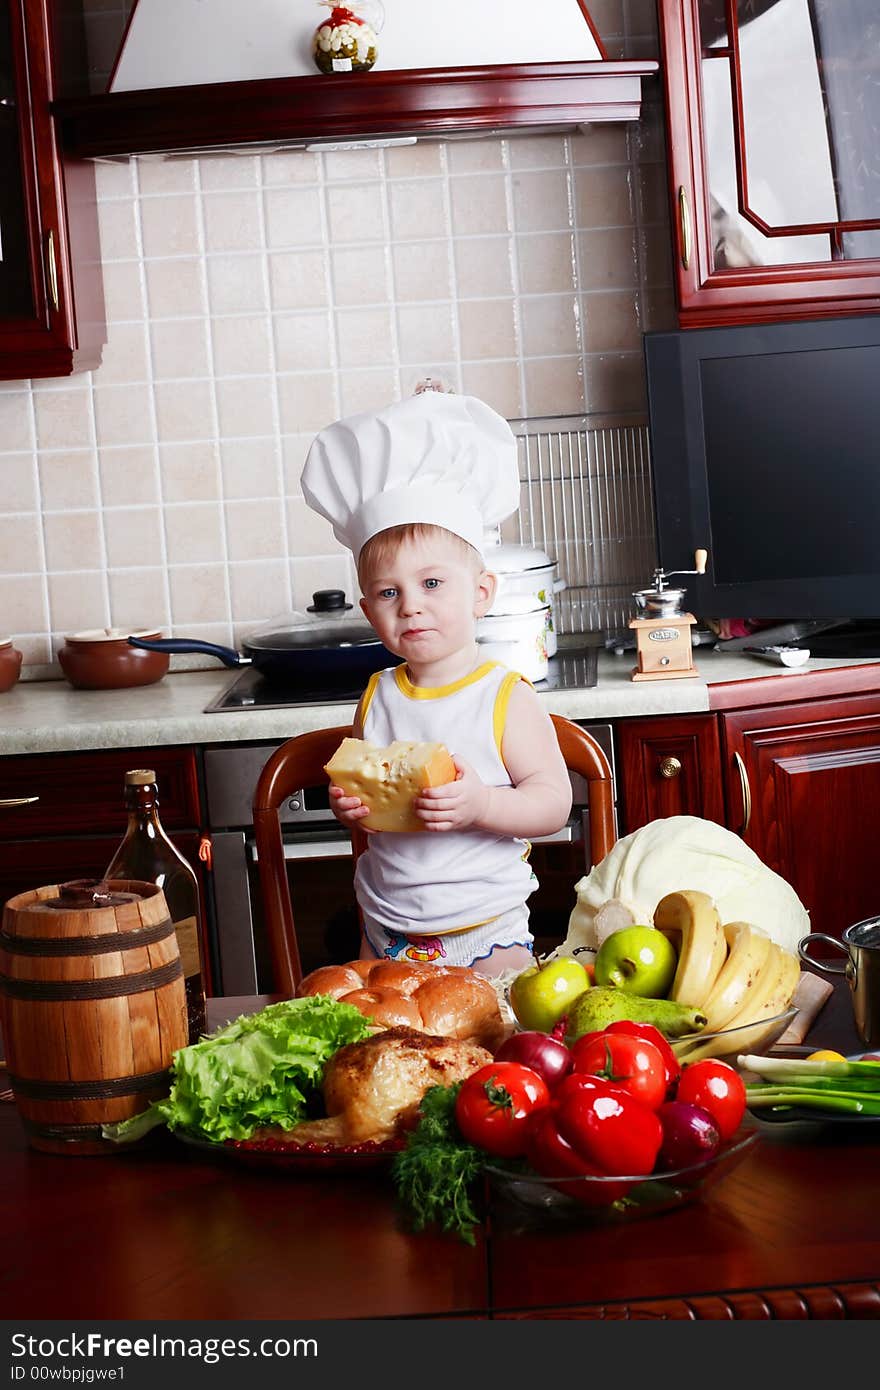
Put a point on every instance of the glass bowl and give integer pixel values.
(617, 1199)
(729, 1043)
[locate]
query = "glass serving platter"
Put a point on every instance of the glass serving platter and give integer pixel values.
(728, 1043)
(619, 1199)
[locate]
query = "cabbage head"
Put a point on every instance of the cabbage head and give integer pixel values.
(678, 853)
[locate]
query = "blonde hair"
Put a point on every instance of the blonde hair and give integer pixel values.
(379, 549)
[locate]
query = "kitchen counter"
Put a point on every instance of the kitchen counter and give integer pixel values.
(52, 717)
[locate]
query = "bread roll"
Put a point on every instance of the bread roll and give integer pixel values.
(362, 967)
(461, 1006)
(447, 1001)
(334, 980)
(389, 779)
(386, 1006)
(405, 976)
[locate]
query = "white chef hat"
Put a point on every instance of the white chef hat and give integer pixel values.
(434, 457)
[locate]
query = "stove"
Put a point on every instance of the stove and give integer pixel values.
(572, 668)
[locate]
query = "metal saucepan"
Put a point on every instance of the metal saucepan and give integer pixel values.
(330, 645)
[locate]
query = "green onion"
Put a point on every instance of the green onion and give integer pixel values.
(843, 1102)
(851, 1088)
(797, 1069)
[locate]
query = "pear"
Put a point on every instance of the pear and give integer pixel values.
(604, 1004)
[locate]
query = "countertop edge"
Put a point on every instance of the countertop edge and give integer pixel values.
(52, 717)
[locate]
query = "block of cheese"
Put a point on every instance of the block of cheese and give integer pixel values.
(388, 779)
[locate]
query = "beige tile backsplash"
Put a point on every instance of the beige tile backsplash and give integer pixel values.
(252, 299)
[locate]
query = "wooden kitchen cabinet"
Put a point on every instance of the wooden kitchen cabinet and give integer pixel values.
(803, 786)
(75, 823)
(669, 766)
(773, 173)
(51, 300)
(799, 780)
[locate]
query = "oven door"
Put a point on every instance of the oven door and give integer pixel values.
(320, 875)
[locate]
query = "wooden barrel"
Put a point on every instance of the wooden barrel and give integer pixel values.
(93, 1008)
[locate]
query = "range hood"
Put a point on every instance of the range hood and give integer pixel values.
(201, 75)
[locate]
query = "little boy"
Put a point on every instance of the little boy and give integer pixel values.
(458, 893)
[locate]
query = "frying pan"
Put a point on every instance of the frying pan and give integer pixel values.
(326, 650)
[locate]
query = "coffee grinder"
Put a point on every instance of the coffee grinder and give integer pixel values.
(663, 630)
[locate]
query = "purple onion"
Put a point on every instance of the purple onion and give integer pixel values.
(689, 1135)
(547, 1056)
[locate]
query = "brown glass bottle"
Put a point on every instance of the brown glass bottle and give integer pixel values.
(147, 854)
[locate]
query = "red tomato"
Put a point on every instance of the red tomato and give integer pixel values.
(551, 1156)
(633, 1064)
(494, 1104)
(662, 1043)
(610, 1128)
(716, 1087)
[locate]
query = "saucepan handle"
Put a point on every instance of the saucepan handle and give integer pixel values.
(826, 967)
(227, 655)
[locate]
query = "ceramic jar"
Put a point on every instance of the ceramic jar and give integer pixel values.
(519, 640)
(103, 659)
(525, 574)
(10, 664)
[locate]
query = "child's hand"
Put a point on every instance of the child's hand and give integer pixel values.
(348, 810)
(457, 806)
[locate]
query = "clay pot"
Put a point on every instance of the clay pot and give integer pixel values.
(10, 664)
(102, 659)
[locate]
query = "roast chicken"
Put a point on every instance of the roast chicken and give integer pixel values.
(372, 1088)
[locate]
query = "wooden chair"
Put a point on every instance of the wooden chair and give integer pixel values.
(300, 763)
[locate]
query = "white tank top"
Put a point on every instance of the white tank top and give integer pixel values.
(430, 883)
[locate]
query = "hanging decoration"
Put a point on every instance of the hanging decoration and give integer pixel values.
(347, 42)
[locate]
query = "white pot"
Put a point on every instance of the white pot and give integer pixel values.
(525, 573)
(519, 640)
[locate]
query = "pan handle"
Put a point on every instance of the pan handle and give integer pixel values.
(227, 655)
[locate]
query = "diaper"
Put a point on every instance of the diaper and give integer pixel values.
(464, 946)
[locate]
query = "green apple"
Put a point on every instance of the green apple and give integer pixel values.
(542, 994)
(639, 959)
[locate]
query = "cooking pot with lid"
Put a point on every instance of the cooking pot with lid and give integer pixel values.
(524, 572)
(105, 659)
(330, 644)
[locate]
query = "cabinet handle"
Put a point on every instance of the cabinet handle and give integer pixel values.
(684, 222)
(18, 800)
(52, 270)
(746, 792)
(670, 767)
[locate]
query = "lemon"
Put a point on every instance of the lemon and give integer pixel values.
(825, 1054)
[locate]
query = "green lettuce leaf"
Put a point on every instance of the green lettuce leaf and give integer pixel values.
(261, 1069)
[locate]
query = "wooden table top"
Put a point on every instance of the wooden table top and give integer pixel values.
(165, 1231)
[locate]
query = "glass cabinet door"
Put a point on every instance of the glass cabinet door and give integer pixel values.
(16, 294)
(774, 136)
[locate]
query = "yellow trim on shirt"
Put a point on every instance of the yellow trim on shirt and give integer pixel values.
(502, 700)
(367, 696)
(429, 692)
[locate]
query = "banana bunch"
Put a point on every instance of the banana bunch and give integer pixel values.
(734, 974)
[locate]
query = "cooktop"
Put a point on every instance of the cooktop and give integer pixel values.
(572, 668)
